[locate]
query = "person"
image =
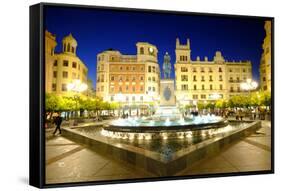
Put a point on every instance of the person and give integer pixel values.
(57, 122)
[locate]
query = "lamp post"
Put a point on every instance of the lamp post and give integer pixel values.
(119, 97)
(77, 87)
(249, 85)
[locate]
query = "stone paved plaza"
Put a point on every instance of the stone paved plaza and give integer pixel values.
(67, 161)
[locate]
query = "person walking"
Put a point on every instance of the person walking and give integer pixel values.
(57, 122)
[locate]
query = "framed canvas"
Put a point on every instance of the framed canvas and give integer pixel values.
(123, 95)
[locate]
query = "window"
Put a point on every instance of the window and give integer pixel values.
(238, 79)
(153, 89)
(194, 78)
(102, 88)
(141, 88)
(63, 87)
(153, 69)
(149, 68)
(184, 78)
(73, 75)
(210, 70)
(127, 68)
(74, 64)
(184, 69)
(220, 86)
(231, 89)
(149, 88)
(120, 78)
(194, 87)
(127, 88)
(141, 98)
(264, 79)
(55, 73)
(211, 87)
(202, 70)
(133, 98)
(68, 47)
(230, 69)
(153, 79)
(120, 68)
(210, 78)
(141, 78)
(127, 98)
(65, 74)
(134, 88)
(238, 89)
(203, 96)
(141, 50)
(127, 78)
(203, 87)
(112, 98)
(202, 78)
(112, 78)
(134, 68)
(220, 77)
(149, 78)
(65, 63)
(55, 63)
(230, 79)
(244, 70)
(72, 49)
(54, 87)
(195, 96)
(134, 78)
(184, 87)
(220, 70)
(112, 89)
(194, 70)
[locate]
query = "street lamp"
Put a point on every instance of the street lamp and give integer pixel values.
(119, 98)
(249, 85)
(77, 87)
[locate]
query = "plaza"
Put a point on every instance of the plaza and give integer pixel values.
(69, 161)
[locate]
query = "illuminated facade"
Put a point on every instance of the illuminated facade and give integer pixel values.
(130, 79)
(265, 65)
(62, 68)
(207, 80)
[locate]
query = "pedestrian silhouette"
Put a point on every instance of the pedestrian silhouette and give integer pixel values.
(57, 122)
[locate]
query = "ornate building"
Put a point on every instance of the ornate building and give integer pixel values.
(265, 65)
(62, 68)
(129, 79)
(207, 80)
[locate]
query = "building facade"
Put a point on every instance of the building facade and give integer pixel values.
(265, 65)
(207, 80)
(62, 68)
(129, 79)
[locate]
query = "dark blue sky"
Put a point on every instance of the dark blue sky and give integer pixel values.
(98, 30)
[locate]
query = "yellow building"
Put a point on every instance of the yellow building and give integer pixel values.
(207, 80)
(62, 68)
(265, 65)
(129, 79)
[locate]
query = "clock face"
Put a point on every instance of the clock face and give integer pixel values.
(150, 49)
(167, 93)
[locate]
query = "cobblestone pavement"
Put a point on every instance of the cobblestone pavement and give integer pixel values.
(67, 161)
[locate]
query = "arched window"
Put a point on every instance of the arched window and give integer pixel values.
(68, 47)
(72, 49)
(141, 50)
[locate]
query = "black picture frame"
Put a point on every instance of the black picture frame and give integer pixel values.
(37, 97)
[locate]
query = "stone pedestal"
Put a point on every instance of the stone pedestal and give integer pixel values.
(167, 95)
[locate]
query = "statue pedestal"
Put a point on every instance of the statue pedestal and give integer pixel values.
(167, 89)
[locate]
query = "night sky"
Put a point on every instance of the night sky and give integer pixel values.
(98, 30)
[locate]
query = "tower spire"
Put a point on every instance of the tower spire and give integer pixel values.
(188, 44)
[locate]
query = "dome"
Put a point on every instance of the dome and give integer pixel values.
(69, 39)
